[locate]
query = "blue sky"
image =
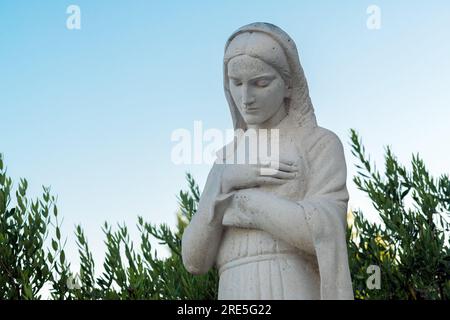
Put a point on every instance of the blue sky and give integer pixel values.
(90, 112)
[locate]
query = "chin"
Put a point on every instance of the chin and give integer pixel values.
(254, 120)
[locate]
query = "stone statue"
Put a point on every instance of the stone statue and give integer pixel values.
(283, 235)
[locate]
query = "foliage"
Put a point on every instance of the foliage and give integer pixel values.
(27, 262)
(140, 274)
(411, 245)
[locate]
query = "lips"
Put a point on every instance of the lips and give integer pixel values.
(251, 110)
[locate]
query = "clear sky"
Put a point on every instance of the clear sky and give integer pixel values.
(90, 112)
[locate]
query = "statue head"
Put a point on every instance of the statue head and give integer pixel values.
(258, 77)
(263, 78)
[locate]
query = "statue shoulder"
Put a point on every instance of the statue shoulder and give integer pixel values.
(318, 137)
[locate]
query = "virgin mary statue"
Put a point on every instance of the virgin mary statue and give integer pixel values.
(283, 235)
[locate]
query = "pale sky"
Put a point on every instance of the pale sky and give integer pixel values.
(90, 112)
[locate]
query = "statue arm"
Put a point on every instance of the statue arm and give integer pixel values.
(201, 239)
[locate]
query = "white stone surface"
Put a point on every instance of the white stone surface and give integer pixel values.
(278, 236)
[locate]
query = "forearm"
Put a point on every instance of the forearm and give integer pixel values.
(201, 239)
(282, 218)
(200, 244)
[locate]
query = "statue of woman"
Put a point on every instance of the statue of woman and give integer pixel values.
(281, 236)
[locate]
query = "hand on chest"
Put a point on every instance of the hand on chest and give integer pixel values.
(277, 149)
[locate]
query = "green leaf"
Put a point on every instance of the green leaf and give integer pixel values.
(54, 245)
(62, 257)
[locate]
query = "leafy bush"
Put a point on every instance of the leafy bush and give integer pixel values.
(27, 262)
(132, 274)
(411, 245)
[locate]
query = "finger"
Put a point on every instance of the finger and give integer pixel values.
(283, 166)
(284, 175)
(274, 173)
(286, 161)
(270, 180)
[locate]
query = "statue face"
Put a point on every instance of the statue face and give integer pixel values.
(258, 90)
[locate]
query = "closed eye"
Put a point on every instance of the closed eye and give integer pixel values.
(236, 82)
(262, 82)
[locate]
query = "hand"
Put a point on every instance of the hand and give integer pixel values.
(243, 176)
(244, 210)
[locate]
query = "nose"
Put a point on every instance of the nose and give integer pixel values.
(247, 97)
